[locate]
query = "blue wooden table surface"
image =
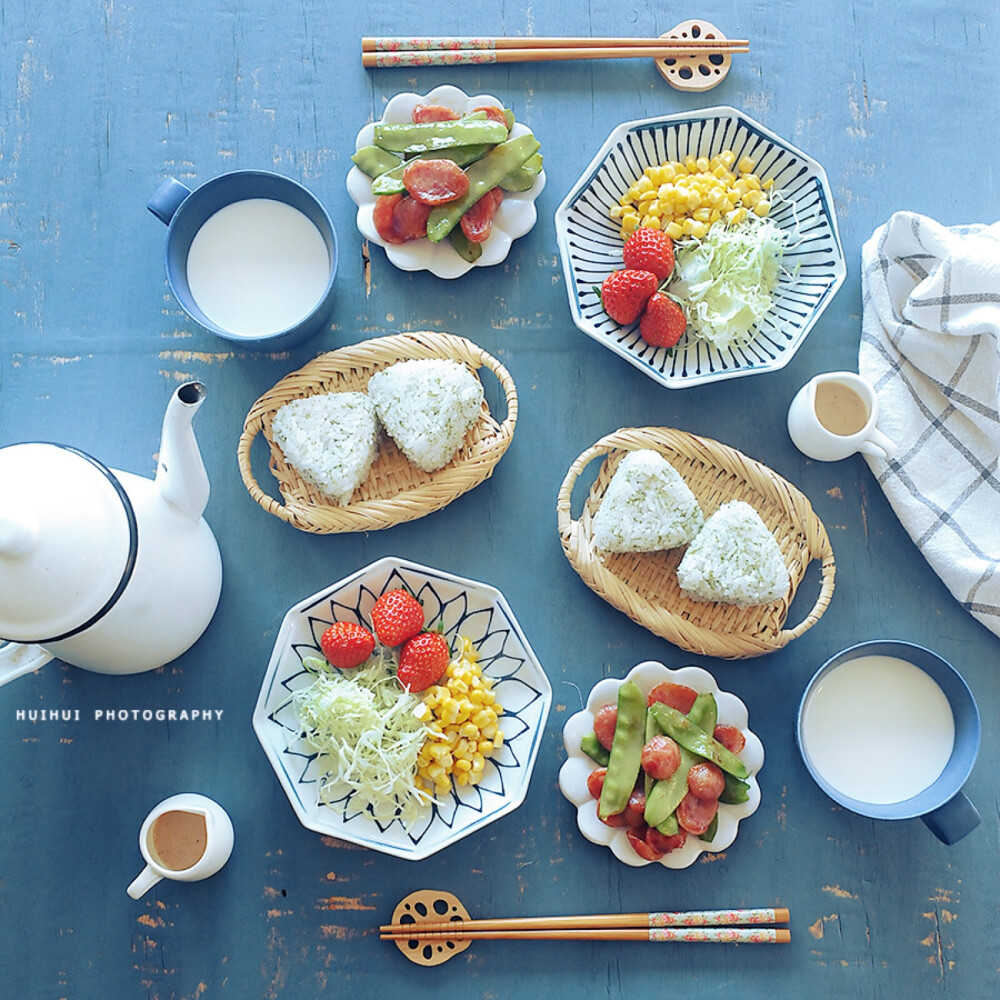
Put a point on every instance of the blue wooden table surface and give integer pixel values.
(99, 101)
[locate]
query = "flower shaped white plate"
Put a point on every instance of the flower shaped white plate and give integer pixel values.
(514, 218)
(591, 247)
(574, 772)
(463, 607)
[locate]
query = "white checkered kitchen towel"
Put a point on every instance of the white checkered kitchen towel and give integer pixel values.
(929, 345)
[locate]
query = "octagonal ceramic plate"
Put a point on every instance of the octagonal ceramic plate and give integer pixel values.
(514, 218)
(463, 607)
(574, 772)
(591, 248)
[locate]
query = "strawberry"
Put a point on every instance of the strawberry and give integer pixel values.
(396, 617)
(423, 661)
(346, 644)
(663, 323)
(624, 294)
(650, 250)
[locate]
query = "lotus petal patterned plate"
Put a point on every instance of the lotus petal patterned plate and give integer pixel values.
(591, 247)
(463, 607)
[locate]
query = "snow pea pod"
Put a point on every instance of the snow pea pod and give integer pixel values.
(736, 791)
(696, 740)
(665, 796)
(374, 162)
(418, 138)
(704, 712)
(592, 747)
(626, 751)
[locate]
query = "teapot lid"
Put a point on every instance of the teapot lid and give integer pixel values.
(68, 541)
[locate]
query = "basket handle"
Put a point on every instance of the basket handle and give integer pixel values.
(564, 516)
(251, 429)
(819, 548)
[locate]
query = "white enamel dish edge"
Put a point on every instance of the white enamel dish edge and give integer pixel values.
(466, 607)
(591, 248)
(514, 218)
(575, 770)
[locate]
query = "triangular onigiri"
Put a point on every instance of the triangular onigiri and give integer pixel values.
(734, 559)
(646, 507)
(330, 438)
(426, 407)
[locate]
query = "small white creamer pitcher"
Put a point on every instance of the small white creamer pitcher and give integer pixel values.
(186, 838)
(835, 415)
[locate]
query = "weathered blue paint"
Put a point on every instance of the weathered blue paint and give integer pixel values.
(99, 102)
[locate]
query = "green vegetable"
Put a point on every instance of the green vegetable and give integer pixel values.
(391, 182)
(626, 751)
(484, 175)
(705, 712)
(713, 828)
(364, 728)
(522, 178)
(736, 791)
(419, 138)
(592, 747)
(665, 796)
(689, 736)
(725, 281)
(374, 161)
(669, 826)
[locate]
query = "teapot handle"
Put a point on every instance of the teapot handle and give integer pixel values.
(17, 659)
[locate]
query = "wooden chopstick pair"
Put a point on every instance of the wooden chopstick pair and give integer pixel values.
(441, 51)
(740, 926)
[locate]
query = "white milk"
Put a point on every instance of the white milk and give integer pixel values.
(878, 729)
(257, 266)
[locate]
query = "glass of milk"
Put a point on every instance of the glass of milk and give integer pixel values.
(250, 255)
(890, 730)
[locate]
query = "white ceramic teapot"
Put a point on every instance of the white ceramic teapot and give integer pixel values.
(106, 570)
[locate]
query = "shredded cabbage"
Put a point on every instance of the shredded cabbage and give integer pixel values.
(724, 282)
(367, 731)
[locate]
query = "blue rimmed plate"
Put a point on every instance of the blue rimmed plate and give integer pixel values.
(591, 248)
(463, 607)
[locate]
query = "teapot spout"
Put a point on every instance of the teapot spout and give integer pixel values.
(180, 472)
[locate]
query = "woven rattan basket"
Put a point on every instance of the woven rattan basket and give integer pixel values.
(644, 584)
(395, 490)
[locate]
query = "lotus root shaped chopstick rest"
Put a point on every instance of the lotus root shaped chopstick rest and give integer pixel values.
(695, 71)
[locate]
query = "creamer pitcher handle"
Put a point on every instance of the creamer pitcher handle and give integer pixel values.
(17, 659)
(143, 882)
(878, 444)
(167, 199)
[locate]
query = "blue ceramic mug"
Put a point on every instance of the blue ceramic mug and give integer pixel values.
(250, 255)
(857, 746)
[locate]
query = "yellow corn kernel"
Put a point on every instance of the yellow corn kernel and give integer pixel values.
(751, 198)
(754, 181)
(498, 740)
(699, 229)
(702, 164)
(675, 230)
(463, 765)
(768, 184)
(701, 214)
(746, 165)
(762, 208)
(643, 184)
(652, 222)
(742, 186)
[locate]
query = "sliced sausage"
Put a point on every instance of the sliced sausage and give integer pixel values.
(661, 756)
(382, 217)
(678, 696)
(730, 737)
(595, 781)
(435, 182)
(635, 810)
(665, 843)
(695, 814)
(493, 113)
(477, 223)
(433, 113)
(642, 847)
(706, 780)
(604, 725)
(409, 219)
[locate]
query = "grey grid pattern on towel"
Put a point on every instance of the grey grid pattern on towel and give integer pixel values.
(929, 346)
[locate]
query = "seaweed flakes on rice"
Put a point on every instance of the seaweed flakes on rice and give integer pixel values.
(734, 560)
(427, 407)
(647, 506)
(330, 438)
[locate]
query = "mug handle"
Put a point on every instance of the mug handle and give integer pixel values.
(18, 659)
(143, 882)
(952, 821)
(167, 199)
(878, 444)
